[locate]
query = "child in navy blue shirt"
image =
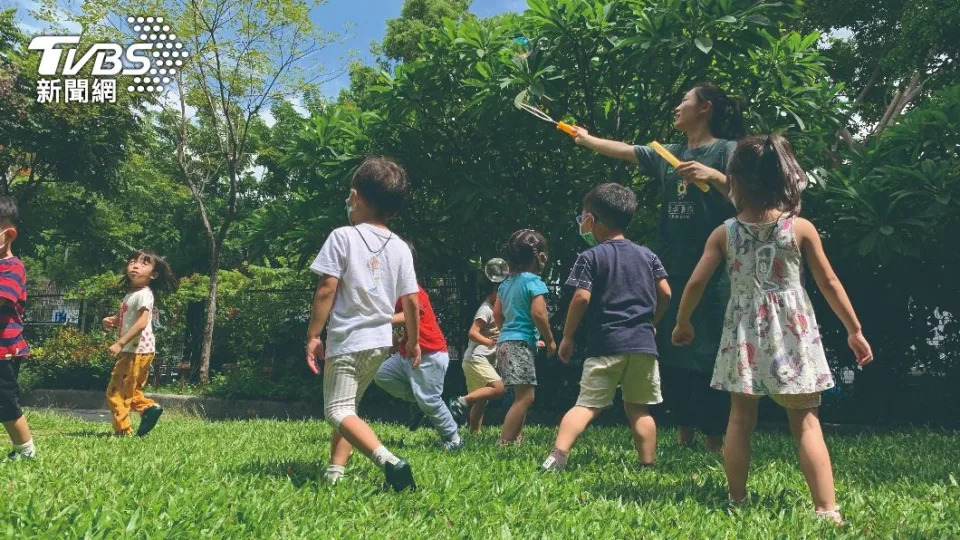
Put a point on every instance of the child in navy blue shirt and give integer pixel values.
(621, 294)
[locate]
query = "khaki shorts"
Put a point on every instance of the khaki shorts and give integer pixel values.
(792, 401)
(479, 373)
(637, 375)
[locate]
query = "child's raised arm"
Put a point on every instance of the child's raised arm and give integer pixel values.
(578, 307)
(541, 319)
(713, 255)
(322, 304)
(832, 289)
(411, 318)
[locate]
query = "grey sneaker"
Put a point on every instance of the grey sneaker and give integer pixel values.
(451, 446)
(551, 465)
(17, 456)
(459, 409)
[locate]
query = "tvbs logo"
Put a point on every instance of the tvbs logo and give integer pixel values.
(109, 59)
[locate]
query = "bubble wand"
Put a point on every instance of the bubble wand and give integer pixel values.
(674, 162)
(561, 126)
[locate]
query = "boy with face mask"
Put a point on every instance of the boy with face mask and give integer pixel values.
(621, 294)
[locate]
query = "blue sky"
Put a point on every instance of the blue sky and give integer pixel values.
(360, 21)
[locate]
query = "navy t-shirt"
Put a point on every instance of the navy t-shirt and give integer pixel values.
(621, 277)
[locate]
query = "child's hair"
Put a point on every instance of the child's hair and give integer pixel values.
(611, 204)
(9, 214)
(165, 281)
(726, 122)
(764, 173)
(525, 248)
(383, 183)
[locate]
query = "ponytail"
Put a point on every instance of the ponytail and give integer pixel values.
(726, 122)
(764, 173)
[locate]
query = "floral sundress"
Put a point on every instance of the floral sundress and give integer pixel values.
(771, 342)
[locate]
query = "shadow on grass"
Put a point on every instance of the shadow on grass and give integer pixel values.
(300, 473)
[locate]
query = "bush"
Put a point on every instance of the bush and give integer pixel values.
(70, 359)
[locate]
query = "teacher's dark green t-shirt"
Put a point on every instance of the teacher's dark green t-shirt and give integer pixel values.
(687, 217)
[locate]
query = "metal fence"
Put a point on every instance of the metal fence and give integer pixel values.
(180, 337)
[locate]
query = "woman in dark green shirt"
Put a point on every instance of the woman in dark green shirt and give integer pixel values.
(712, 122)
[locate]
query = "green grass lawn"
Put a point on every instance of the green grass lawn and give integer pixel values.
(259, 479)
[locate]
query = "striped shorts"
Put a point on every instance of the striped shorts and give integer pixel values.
(345, 379)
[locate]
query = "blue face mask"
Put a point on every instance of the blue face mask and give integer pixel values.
(588, 236)
(349, 211)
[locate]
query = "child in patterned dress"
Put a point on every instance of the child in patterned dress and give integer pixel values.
(771, 343)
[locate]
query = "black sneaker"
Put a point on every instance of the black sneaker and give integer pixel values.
(148, 420)
(416, 418)
(459, 410)
(399, 476)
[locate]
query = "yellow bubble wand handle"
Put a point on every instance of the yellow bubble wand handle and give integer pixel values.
(674, 162)
(567, 128)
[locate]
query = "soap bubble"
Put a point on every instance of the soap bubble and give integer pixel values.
(496, 270)
(521, 48)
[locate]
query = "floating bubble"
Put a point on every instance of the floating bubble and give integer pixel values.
(521, 48)
(496, 270)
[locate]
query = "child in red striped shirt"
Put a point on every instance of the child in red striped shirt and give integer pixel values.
(13, 348)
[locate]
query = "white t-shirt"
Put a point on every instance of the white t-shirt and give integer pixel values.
(477, 352)
(129, 312)
(375, 268)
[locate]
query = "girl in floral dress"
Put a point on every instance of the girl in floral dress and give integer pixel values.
(771, 344)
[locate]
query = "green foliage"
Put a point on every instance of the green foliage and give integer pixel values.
(70, 359)
(888, 213)
(402, 39)
(260, 479)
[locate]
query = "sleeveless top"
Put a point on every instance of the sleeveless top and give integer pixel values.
(770, 342)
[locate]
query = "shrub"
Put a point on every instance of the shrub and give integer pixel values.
(68, 358)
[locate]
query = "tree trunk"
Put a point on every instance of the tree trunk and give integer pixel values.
(211, 315)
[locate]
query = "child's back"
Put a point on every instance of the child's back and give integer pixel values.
(515, 294)
(375, 268)
(622, 279)
(771, 343)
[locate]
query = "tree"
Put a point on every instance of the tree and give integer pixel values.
(243, 56)
(402, 40)
(896, 52)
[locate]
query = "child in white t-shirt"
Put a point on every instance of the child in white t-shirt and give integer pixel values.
(483, 381)
(136, 344)
(363, 269)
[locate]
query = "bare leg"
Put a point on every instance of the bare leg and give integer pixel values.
(340, 450)
(644, 430)
(574, 422)
(714, 443)
(494, 390)
(685, 436)
(358, 433)
(476, 415)
(516, 416)
(814, 456)
(18, 430)
(736, 452)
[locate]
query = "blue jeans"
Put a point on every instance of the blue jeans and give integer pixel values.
(422, 386)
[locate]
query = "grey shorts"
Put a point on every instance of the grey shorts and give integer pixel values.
(515, 362)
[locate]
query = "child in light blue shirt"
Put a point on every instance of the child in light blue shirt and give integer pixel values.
(521, 313)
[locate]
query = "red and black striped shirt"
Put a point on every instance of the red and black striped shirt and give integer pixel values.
(13, 299)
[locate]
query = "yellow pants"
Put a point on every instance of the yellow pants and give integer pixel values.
(125, 391)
